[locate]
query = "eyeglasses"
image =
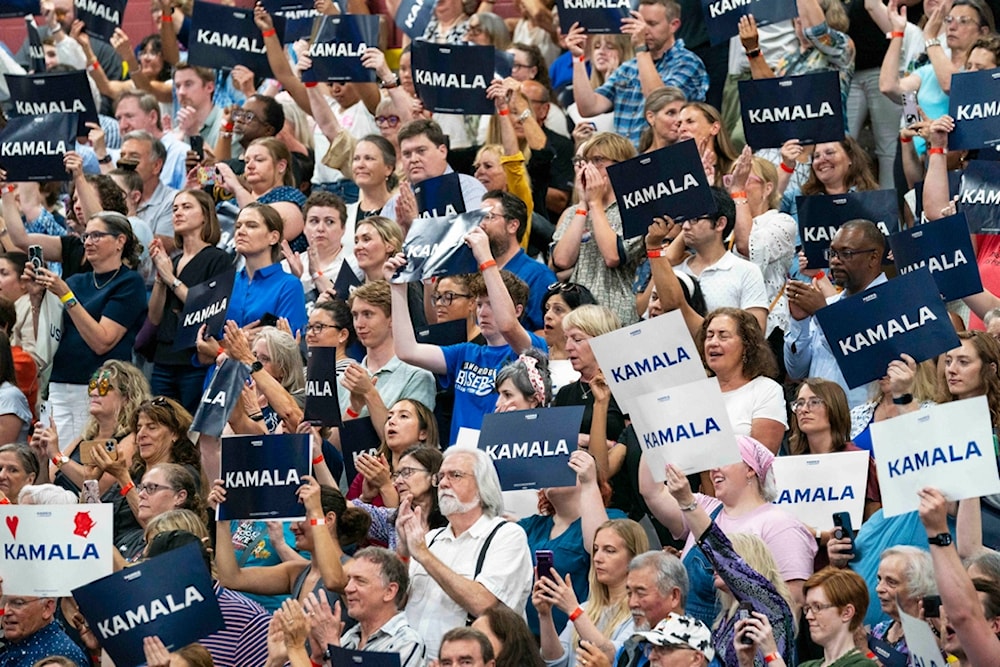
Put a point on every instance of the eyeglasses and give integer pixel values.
(452, 475)
(563, 287)
(405, 473)
(844, 255)
(494, 216)
(813, 403)
(95, 236)
(691, 222)
(387, 121)
(319, 327)
(815, 608)
(101, 383)
(243, 116)
(150, 488)
(19, 603)
(649, 649)
(727, 180)
(475, 30)
(596, 160)
(961, 20)
(520, 66)
(445, 298)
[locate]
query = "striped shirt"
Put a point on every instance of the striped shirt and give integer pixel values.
(396, 636)
(243, 642)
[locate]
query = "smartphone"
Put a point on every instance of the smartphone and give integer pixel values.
(197, 144)
(842, 528)
(544, 563)
(36, 259)
(268, 320)
(911, 114)
(932, 606)
(91, 491)
(743, 612)
(87, 448)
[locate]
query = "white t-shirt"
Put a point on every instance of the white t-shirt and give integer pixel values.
(761, 398)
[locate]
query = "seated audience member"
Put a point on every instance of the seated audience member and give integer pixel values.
(319, 266)
(32, 633)
(661, 59)
(374, 595)
(855, 265)
(558, 301)
(906, 386)
(20, 468)
(662, 112)
(677, 640)
(156, 205)
(424, 148)
(471, 368)
(513, 643)
(442, 594)
(465, 647)
(605, 54)
(382, 377)
(905, 576)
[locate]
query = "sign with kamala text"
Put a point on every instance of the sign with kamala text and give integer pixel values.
(322, 402)
(338, 46)
(207, 304)
(100, 17)
(947, 446)
(223, 37)
(169, 595)
(33, 147)
(722, 17)
(453, 78)
(262, 475)
(531, 448)
(413, 16)
(869, 329)
(945, 248)
(687, 425)
(820, 216)
(974, 103)
(435, 247)
(595, 16)
(814, 487)
(979, 196)
(54, 93)
(439, 195)
(48, 550)
(807, 108)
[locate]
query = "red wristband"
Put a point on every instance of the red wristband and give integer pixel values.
(786, 169)
(310, 84)
(167, 18)
(4, 501)
(906, 140)
(10, 187)
(352, 414)
(504, 112)
(221, 350)
(96, 65)
(269, 33)
(896, 33)
(487, 264)
(582, 59)
(228, 127)
(739, 194)
(318, 460)
(317, 522)
(577, 613)
(936, 151)
(125, 489)
(656, 254)
(820, 275)
(581, 211)
(770, 657)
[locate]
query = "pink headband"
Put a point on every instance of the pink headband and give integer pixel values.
(534, 377)
(757, 457)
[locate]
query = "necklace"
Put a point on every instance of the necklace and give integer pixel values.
(108, 280)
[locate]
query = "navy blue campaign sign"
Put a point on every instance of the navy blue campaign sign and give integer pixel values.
(221, 396)
(346, 656)
(224, 37)
(100, 17)
(51, 93)
(974, 103)
(337, 48)
(452, 78)
(262, 474)
(357, 437)
(595, 16)
(293, 19)
(722, 17)
(149, 598)
(979, 196)
(32, 148)
(531, 448)
(36, 51)
(870, 329)
(669, 181)
(440, 195)
(451, 332)
(322, 404)
(207, 303)
(945, 248)
(346, 281)
(807, 108)
(19, 8)
(820, 216)
(435, 247)
(413, 16)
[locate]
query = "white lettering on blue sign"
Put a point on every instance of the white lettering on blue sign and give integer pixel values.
(938, 263)
(597, 4)
(26, 148)
(716, 9)
(522, 450)
(981, 197)
(146, 613)
(883, 332)
(226, 41)
(414, 12)
(658, 190)
(445, 80)
(318, 388)
(649, 365)
(793, 112)
(977, 110)
(242, 479)
(336, 50)
(218, 399)
(679, 433)
(204, 314)
(931, 457)
(95, 8)
(29, 108)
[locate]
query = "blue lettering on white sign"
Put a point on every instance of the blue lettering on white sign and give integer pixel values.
(649, 365)
(931, 457)
(48, 552)
(815, 494)
(680, 432)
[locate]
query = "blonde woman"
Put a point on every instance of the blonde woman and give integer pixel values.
(604, 53)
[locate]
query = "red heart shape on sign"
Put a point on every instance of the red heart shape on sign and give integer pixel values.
(12, 525)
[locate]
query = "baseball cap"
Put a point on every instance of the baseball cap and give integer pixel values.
(681, 631)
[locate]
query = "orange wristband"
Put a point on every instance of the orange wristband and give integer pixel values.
(167, 18)
(656, 254)
(786, 169)
(770, 657)
(504, 112)
(581, 211)
(896, 34)
(577, 613)
(487, 264)
(936, 151)
(739, 194)
(4, 501)
(317, 522)
(269, 33)
(906, 140)
(318, 460)
(352, 414)
(125, 489)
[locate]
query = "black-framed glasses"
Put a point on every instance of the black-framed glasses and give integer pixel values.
(845, 255)
(815, 608)
(446, 298)
(475, 30)
(452, 475)
(149, 488)
(319, 327)
(405, 473)
(244, 116)
(95, 236)
(387, 121)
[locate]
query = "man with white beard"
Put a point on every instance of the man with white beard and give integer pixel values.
(657, 586)
(477, 560)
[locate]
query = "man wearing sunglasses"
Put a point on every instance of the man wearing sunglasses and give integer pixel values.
(855, 256)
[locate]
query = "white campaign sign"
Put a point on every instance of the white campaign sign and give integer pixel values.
(650, 356)
(920, 642)
(687, 425)
(814, 487)
(947, 446)
(48, 550)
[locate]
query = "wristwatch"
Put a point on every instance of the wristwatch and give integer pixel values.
(70, 302)
(932, 42)
(176, 283)
(940, 540)
(105, 160)
(60, 460)
(525, 115)
(256, 366)
(642, 48)
(753, 53)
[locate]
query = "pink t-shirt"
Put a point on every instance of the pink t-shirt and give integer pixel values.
(791, 543)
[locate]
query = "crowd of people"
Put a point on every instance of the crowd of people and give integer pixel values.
(305, 192)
